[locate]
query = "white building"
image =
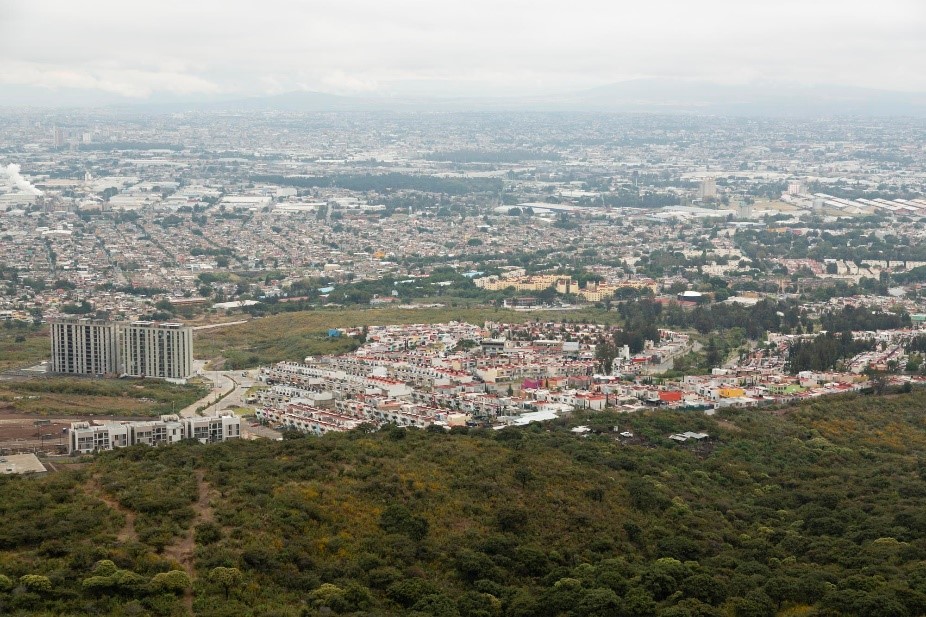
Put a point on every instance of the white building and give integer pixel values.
(157, 350)
(84, 347)
(139, 349)
(213, 429)
(86, 438)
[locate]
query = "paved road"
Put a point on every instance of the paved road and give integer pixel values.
(220, 325)
(229, 386)
(233, 387)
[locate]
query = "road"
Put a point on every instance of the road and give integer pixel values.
(231, 387)
(219, 325)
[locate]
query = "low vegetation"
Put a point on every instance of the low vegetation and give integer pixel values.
(68, 396)
(293, 336)
(814, 510)
(22, 346)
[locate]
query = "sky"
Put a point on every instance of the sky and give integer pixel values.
(144, 49)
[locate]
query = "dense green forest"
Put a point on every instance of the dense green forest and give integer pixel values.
(813, 510)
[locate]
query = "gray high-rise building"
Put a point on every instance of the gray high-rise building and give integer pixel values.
(84, 347)
(137, 349)
(157, 350)
(707, 189)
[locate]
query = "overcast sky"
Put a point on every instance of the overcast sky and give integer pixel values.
(140, 48)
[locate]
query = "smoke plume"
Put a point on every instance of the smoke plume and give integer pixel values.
(17, 180)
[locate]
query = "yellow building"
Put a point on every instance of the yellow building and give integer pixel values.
(731, 392)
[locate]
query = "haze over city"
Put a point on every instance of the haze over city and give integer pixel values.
(114, 51)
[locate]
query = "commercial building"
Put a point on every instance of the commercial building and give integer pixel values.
(138, 349)
(157, 350)
(85, 347)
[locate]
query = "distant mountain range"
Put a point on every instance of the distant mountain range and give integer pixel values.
(636, 96)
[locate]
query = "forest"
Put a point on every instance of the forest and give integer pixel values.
(810, 510)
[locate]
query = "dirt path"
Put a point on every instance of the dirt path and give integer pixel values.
(183, 550)
(127, 534)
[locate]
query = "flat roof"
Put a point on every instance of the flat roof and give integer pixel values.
(21, 464)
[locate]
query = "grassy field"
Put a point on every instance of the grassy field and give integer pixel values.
(293, 336)
(60, 396)
(22, 347)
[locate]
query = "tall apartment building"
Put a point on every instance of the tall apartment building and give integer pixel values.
(84, 346)
(157, 350)
(137, 349)
(707, 189)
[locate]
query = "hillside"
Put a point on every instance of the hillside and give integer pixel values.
(816, 510)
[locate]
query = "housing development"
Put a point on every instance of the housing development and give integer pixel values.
(461, 375)
(603, 262)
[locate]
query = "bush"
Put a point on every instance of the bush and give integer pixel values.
(174, 581)
(35, 583)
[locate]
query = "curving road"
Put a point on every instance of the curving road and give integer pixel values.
(229, 389)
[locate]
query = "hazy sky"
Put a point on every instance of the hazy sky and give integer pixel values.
(140, 48)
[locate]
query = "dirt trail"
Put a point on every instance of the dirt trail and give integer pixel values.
(127, 534)
(183, 550)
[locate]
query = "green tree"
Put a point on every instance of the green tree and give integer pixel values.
(104, 567)
(35, 582)
(398, 519)
(327, 595)
(226, 578)
(174, 581)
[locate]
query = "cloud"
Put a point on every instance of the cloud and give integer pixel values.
(127, 82)
(473, 46)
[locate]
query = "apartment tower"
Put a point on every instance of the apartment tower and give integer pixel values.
(137, 349)
(85, 347)
(157, 350)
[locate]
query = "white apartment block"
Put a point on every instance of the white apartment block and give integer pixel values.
(85, 347)
(86, 438)
(157, 350)
(138, 349)
(213, 429)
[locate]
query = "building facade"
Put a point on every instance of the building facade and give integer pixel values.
(86, 437)
(137, 349)
(85, 347)
(157, 350)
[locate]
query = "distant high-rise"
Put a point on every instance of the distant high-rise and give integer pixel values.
(707, 189)
(157, 350)
(138, 349)
(58, 137)
(84, 347)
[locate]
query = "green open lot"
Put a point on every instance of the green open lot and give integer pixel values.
(293, 336)
(61, 396)
(22, 347)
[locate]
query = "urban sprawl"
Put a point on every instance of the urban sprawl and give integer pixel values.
(654, 261)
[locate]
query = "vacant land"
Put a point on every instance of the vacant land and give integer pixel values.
(293, 336)
(21, 347)
(59, 396)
